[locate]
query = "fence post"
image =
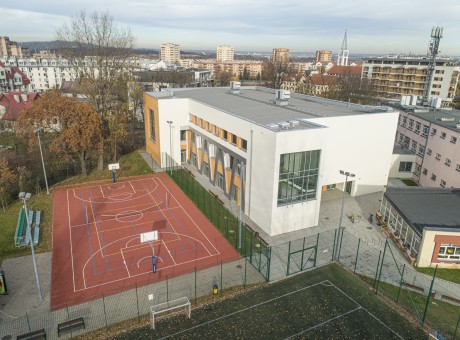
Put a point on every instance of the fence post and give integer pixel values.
(376, 272)
(456, 328)
(340, 245)
(195, 288)
(227, 225)
(301, 258)
(105, 313)
(269, 263)
(251, 247)
(429, 295)
(357, 253)
(333, 246)
(316, 250)
(137, 303)
(289, 259)
(381, 267)
(167, 289)
(400, 282)
(221, 279)
(244, 283)
(28, 323)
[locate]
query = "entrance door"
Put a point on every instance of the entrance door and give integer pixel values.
(348, 187)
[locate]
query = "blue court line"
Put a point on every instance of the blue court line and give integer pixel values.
(98, 229)
(87, 233)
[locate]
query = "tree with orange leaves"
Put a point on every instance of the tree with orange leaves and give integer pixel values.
(76, 126)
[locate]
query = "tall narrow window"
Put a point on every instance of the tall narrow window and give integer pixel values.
(298, 177)
(152, 124)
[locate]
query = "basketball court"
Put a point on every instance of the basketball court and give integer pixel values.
(110, 237)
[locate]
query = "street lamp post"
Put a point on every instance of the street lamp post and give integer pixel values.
(24, 197)
(37, 131)
(346, 174)
(241, 166)
(170, 145)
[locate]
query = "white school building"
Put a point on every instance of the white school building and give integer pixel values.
(290, 146)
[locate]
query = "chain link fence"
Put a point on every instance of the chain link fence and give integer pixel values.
(133, 301)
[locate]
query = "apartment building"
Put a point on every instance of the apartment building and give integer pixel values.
(234, 67)
(10, 48)
(395, 77)
(170, 53)
(13, 79)
(271, 152)
(434, 136)
(225, 53)
(280, 55)
(324, 56)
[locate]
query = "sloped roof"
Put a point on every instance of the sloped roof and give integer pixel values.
(322, 79)
(14, 103)
(337, 70)
(12, 70)
(427, 208)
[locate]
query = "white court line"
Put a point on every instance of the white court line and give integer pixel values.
(132, 187)
(242, 310)
(108, 202)
(136, 237)
(193, 221)
(129, 194)
(169, 252)
(376, 318)
(147, 257)
(70, 236)
(124, 261)
(324, 322)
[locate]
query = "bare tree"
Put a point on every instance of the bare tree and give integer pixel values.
(274, 73)
(97, 51)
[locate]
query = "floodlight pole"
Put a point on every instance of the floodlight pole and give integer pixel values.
(37, 131)
(346, 174)
(241, 166)
(170, 145)
(25, 196)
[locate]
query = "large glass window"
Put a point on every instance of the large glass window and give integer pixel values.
(152, 124)
(298, 178)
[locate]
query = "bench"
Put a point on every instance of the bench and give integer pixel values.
(451, 299)
(415, 288)
(216, 197)
(40, 334)
(71, 324)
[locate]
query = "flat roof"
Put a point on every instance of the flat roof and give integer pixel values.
(399, 150)
(427, 208)
(257, 104)
(446, 118)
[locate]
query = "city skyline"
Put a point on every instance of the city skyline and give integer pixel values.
(390, 27)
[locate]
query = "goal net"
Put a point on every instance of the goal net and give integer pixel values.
(170, 307)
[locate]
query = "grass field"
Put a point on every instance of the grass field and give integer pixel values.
(452, 275)
(326, 303)
(409, 182)
(130, 165)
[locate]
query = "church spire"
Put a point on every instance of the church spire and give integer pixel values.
(342, 59)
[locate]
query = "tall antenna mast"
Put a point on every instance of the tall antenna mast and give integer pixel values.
(433, 50)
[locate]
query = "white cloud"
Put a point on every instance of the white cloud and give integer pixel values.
(374, 27)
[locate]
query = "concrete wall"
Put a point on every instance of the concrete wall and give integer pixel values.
(396, 159)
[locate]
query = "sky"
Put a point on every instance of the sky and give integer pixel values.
(374, 27)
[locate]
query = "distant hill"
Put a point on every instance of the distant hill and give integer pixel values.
(37, 46)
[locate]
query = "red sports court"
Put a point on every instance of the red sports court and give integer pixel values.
(97, 233)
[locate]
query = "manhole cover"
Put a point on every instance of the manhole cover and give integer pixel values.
(326, 218)
(238, 266)
(369, 227)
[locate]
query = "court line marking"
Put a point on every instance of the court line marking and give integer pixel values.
(108, 202)
(147, 257)
(242, 310)
(124, 261)
(95, 226)
(364, 308)
(169, 252)
(70, 236)
(193, 221)
(134, 237)
(324, 322)
(129, 194)
(114, 219)
(110, 187)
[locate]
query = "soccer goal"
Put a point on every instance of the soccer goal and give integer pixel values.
(173, 307)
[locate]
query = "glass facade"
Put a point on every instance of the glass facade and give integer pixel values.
(298, 177)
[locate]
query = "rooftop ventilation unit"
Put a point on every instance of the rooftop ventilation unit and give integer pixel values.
(284, 125)
(445, 119)
(273, 126)
(235, 87)
(294, 123)
(282, 97)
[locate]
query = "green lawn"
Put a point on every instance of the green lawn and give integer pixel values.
(452, 275)
(300, 306)
(130, 165)
(409, 182)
